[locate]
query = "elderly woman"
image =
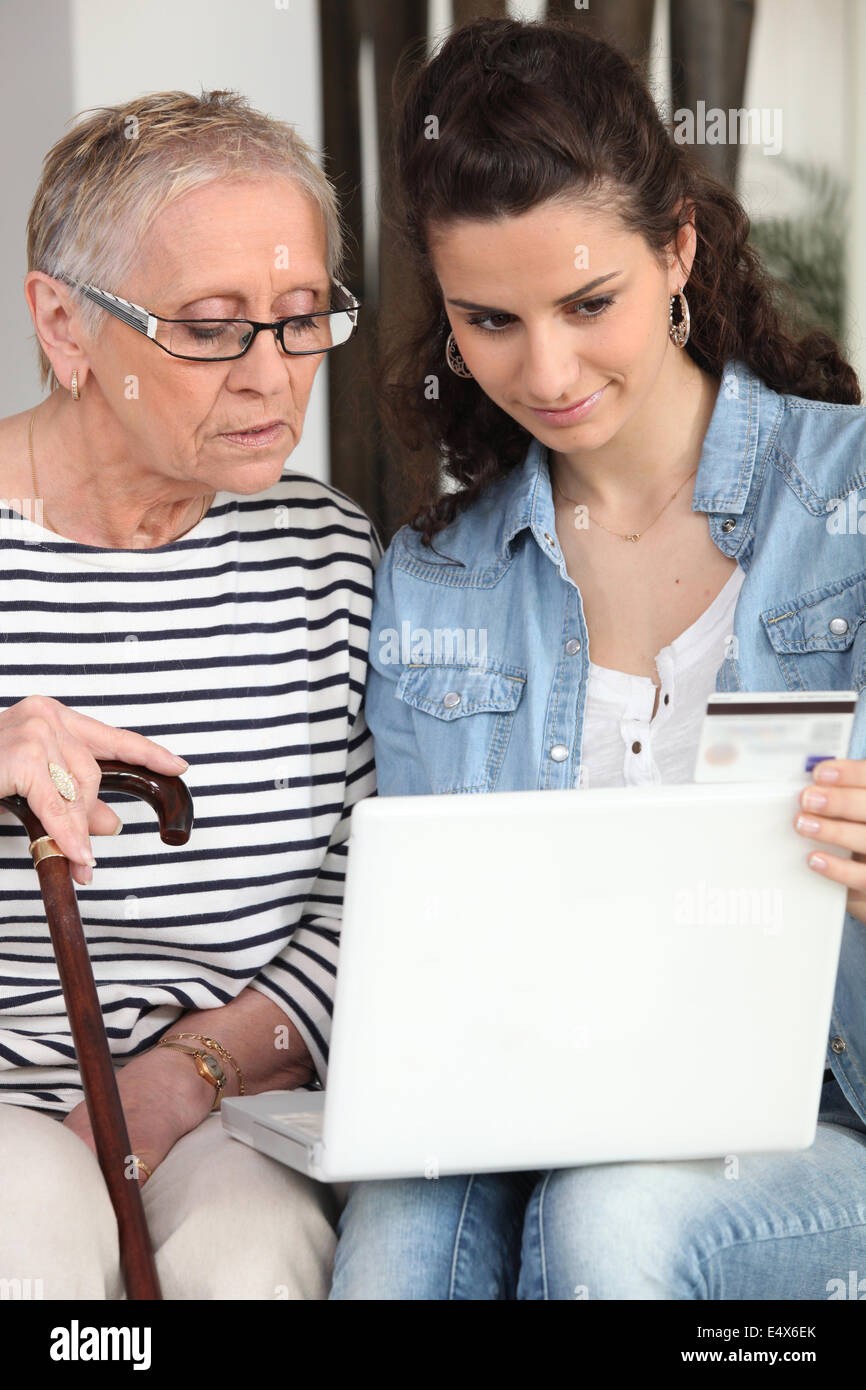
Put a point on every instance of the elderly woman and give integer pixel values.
(168, 589)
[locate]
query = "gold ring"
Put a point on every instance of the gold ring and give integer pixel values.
(62, 781)
(140, 1163)
(44, 848)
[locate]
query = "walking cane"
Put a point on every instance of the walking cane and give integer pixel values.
(171, 800)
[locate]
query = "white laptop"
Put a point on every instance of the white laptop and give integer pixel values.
(542, 979)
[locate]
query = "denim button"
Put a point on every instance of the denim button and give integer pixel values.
(838, 1044)
(729, 524)
(572, 646)
(451, 699)
(838, 626)
(559, 752)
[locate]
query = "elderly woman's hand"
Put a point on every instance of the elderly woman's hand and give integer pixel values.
(839, 795)
(39, 731)
(163, 1098)
(162, 1093)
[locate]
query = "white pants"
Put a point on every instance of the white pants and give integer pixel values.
(225, 1221)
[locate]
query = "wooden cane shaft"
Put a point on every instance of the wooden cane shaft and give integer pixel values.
(172, 802)
(97, 1076)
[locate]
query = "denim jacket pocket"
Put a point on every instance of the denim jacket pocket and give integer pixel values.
(463, 716)
(819, 637)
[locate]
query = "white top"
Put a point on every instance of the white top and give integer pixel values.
(622, 744)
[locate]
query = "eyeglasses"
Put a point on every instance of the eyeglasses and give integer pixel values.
(221, 340)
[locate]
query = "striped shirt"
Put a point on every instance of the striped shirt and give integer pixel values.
(242, 646)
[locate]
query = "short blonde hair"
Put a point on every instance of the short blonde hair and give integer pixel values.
(108, 178)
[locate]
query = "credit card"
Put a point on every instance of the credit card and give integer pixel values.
(762, 736)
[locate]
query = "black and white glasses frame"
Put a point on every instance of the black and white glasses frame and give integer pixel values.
(141, 319)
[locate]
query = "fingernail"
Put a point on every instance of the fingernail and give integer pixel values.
(813, 800)
(183, 762)
(823, 773)
(117, 829)
(817, 861)
(808, 825)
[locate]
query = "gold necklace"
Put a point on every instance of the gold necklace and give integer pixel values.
(632, 535)
(204, 505)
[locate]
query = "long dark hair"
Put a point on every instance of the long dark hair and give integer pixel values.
(528, 112)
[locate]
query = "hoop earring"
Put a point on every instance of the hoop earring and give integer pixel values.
(679, 332)
(76, 394)
(453, 358)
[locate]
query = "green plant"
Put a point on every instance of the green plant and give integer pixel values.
(806, 252)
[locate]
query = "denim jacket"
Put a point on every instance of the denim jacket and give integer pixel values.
(478, 661)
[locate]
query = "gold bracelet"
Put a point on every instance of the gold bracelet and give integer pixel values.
(208, 1067)
(217, 1047)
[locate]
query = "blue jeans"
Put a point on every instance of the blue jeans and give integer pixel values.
(761, 1226)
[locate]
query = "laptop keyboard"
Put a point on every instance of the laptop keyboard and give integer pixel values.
(309, 1122)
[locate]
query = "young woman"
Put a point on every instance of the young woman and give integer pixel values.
(641, 459)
